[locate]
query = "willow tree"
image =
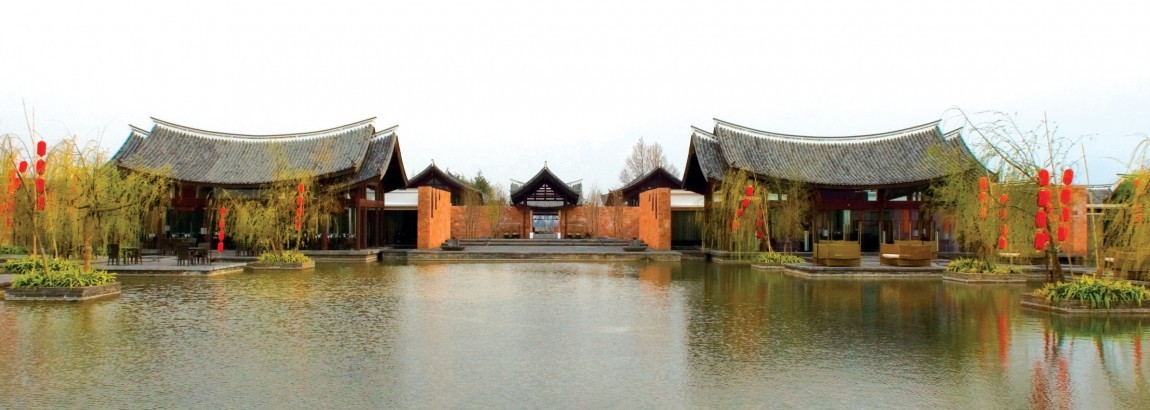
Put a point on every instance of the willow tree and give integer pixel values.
(736, 220)
(266, 220)
(790, 210)
(1126, 227)
(495, 206)
(1014, 159)
(87, 199)
(473, 209)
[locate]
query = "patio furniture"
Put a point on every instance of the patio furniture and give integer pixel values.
(1129, 263)
(131, 255)
(907, 253)
(183, 254)
(113, 254)
(837, 253)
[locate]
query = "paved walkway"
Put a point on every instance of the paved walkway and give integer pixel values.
(552, 252)
(167, 265)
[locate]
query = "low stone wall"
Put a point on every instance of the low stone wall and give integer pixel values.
(281, 266)
(63, 294)
(983, 277)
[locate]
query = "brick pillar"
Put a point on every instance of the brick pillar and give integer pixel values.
(655, 218)
(434, 220)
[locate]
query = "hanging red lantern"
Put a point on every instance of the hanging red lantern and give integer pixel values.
(1068, 176)
(220, 247)
(299, 212)
(739, 212)
(982, 197)
(983, 184)
(759, 235)
(746, 202)
(223, 211)
(39, 185)
(300, 188)
(299, 201)
(1043, 177)
(1001, 242)
(221, 224)
(1002, 230)
(298, 225)
(1043, 198)
(759, 223)
(40, 166)
(23, 166)
(1063, 233)
(1002, 214)
(1040, 219)
(1065, 217)
(1065, 195)
(41, 148)
(982, 213)
(734, 225)
(1002, 199)
(1039, 242)
(750, 190)
(221, 236)
(40, 203)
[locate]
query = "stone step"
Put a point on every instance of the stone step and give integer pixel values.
(543, 242)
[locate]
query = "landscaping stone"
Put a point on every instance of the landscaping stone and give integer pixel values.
(63, 294)
(983, 277)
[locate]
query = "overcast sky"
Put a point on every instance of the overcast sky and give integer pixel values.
(505, 86)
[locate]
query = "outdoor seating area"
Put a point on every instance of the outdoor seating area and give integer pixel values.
(1129, 263)
(908, 253)
(837, 253)
(508, 231)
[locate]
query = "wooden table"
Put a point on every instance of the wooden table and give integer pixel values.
(129, 255)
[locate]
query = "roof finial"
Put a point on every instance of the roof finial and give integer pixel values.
(433, 161)
(544, 163)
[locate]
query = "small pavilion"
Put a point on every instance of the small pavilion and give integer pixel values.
(655, 178)
(436, 178)
(543, 200)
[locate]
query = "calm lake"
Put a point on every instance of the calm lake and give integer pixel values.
(582, 335)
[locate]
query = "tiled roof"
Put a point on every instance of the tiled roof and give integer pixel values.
(432, 172)
(569, 191)
(915, 154)
(195, 155)
(655, 178)
(1098, 194)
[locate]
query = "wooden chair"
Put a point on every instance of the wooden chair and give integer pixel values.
(132, 255)
(183, 254)
(113, 254)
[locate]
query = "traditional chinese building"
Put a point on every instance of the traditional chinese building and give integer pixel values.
(866, 188)
(436, 178)
(355, 161)
(543, 199)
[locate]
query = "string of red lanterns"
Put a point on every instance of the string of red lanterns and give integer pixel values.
(41, 169)
(220, 244)
(299, 207)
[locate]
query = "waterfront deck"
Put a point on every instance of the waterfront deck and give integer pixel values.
(541, 250)
(155, 265)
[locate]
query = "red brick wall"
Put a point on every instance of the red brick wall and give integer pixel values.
(1079, 231)
(626, 217)
(482, 228)
(434, 224)
(655, 218)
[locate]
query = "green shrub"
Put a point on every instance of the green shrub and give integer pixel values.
(13, 250)
(973, 265)
(775, 258)
(285, 257)
(1099, 292)
(62, 273)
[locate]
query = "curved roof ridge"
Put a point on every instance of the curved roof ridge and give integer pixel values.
(268, 137)
(139, 130)
(831, 139)
(704, 132)
(385, 132)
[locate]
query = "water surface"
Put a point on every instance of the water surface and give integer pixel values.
(562, 335)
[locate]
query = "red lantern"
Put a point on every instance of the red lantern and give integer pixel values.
(298, 225)
(759, 235)
(1043, 198)
(1065, 195)
(1065, 217)
(223, 211)
(299, 212)
(982, 196)
(1067, 176)
(40, 203)
(734, 225)
(39, 185)
(1002, 214)
(739, 212)
(40, 166)
(746, 202)
(1043, 177)
(759, 223)
(299, 201)
(221, 236)
(982, 213)
(220, 247)
(750, 190)
(41, 148)
(983, 184)
(1063, 233)
(1040, 219)
(221, 224)
(300, 188)
(1002, 199)
(1002, 230)
(23, 166)
(1039, 241)
(1001, 242)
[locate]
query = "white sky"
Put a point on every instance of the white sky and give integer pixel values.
(505, 86)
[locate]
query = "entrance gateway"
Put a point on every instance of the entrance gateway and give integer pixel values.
(544, 201)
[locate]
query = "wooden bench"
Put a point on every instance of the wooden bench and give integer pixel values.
(907, 253)
(837, 253)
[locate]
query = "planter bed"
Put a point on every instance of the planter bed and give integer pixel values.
(772, 268)
(63, 294)
(281, 266)
(1078, 307)
(983, 277)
